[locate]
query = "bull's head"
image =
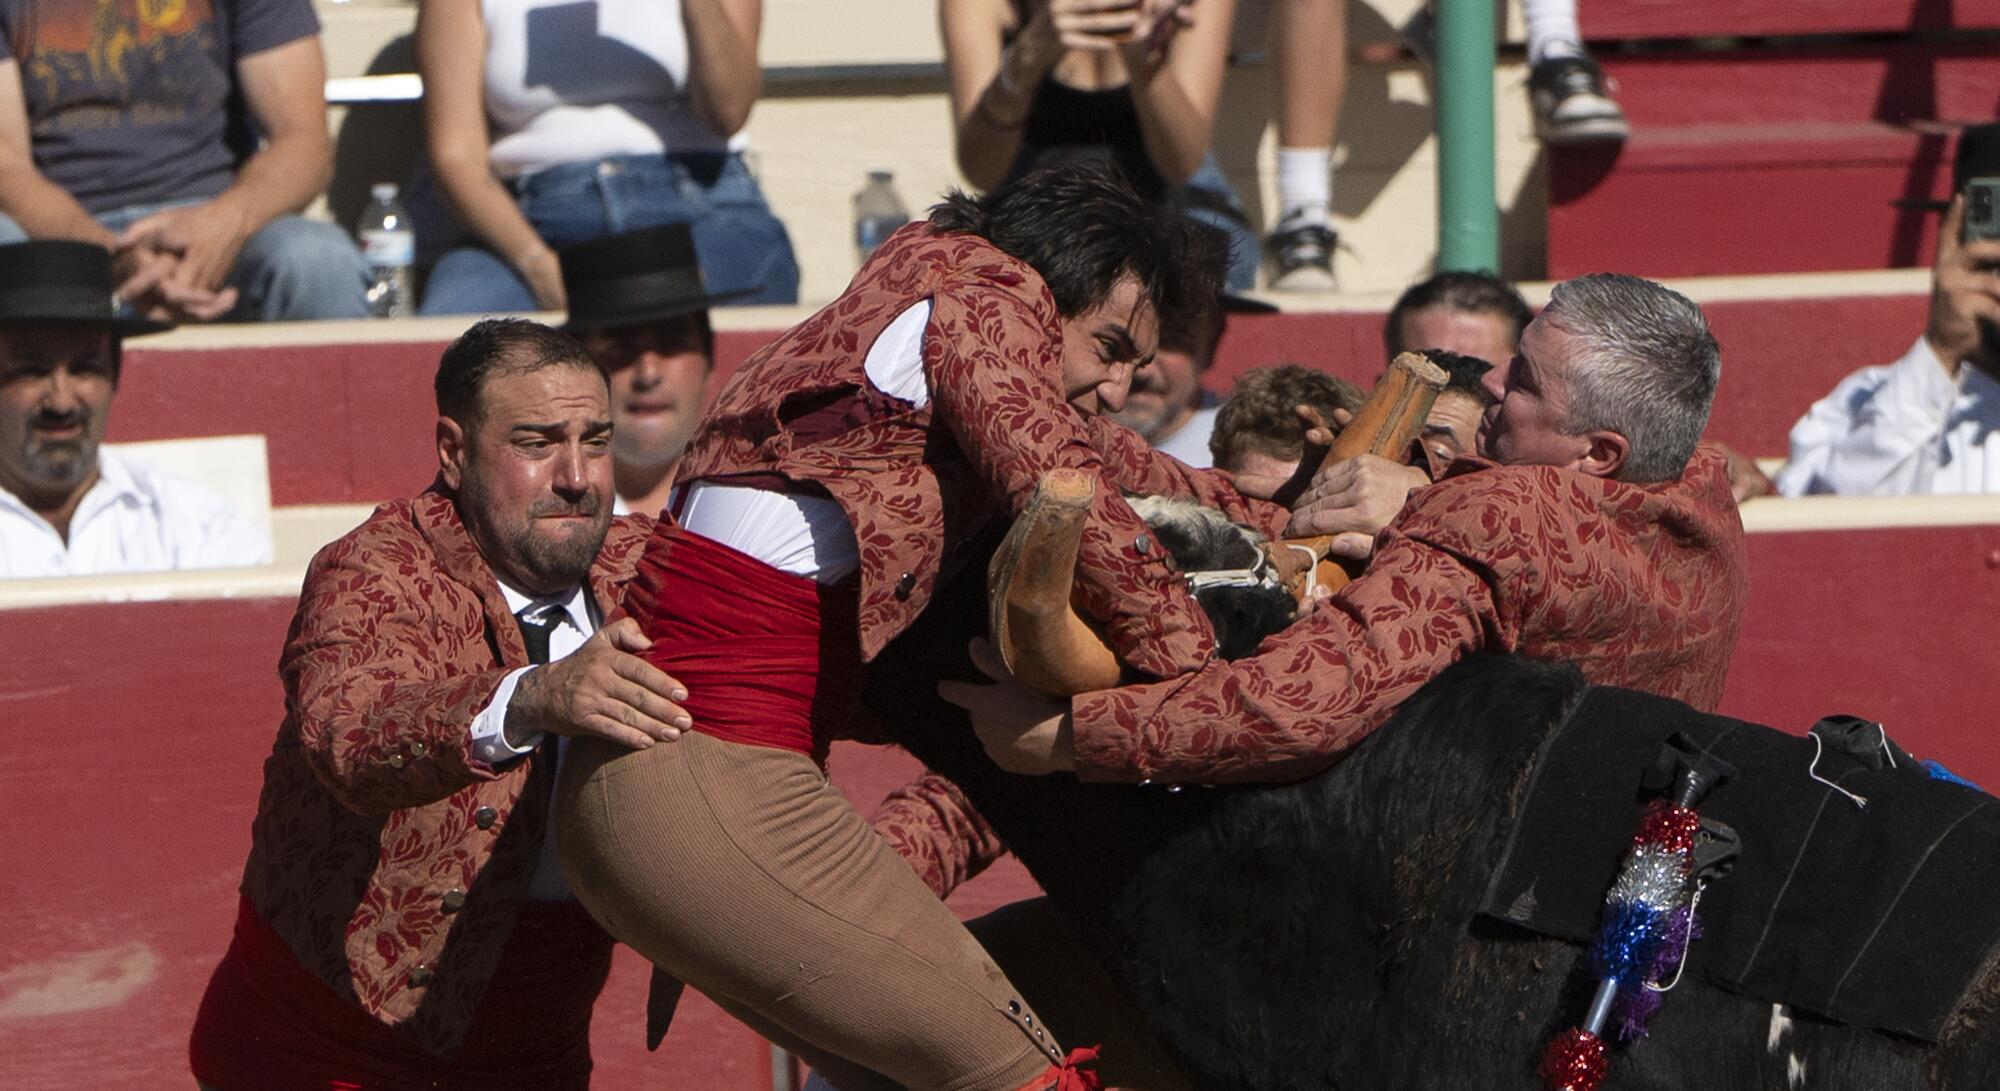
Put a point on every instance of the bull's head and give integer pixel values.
(1053, 650)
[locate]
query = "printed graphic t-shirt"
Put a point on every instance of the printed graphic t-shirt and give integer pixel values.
(132, 102)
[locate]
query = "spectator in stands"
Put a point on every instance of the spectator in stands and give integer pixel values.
(1167, 403)
(1476, 314)
(404, 920)
(69, 507)
(637, 302)
(1309, 77)
(1565, 86)
(1137, 81)
(1924, 424)
(137, 127)
(554, 123)
(1258, 431)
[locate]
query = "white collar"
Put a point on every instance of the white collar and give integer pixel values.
(574, 605)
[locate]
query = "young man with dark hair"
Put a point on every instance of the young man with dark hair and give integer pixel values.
(404, 921)
(843, 476)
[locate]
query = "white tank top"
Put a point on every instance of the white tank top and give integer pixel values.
(575, 80)
(809, 535)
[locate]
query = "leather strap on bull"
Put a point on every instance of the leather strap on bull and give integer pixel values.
(1053, 650)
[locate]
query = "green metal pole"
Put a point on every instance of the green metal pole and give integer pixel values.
(1468, 212)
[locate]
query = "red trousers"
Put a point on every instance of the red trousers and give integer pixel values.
(269, 1024)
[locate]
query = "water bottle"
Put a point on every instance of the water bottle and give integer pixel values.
(878, 212)
(390, 247)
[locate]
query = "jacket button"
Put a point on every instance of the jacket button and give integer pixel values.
(396, 760)
(484, 817)
(905, 584)
(453, 901)
(420, 976)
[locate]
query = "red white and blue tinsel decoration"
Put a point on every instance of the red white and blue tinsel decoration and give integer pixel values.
(1648, 922)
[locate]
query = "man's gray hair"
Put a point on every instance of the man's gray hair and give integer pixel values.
(1649, 369)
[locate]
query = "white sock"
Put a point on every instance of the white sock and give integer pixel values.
(1305, 185)
(1552, 29)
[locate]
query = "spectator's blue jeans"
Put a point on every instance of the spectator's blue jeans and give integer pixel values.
(740, 243)
(291, 269)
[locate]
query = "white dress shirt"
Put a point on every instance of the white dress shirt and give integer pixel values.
(136, 518)
(1189, 443)
(1900, 429)
(489, 739)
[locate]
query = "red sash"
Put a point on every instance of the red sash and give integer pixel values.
(768, 658)
(266, 1021)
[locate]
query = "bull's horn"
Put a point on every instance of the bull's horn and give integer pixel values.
(1038, 633)
(1044, 642)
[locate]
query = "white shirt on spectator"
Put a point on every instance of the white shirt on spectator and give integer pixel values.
(489, 739)
(572, 83)
(136, 518)
(1900, 429)
(1189, 443)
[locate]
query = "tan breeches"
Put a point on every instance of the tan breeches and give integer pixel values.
(741, 871)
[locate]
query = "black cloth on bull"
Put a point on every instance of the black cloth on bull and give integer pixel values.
(1880, 916)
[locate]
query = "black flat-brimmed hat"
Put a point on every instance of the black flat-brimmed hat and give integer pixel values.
(639, 276)
(57, 280)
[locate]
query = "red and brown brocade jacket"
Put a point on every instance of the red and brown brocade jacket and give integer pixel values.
(1640, 586)
(390, 860)
(918, 484)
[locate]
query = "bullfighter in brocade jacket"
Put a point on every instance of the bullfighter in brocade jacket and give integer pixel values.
(842, 475)
(403, 920)
(1598, 533)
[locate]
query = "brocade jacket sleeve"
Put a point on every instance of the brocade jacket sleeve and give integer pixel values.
(1138, 468)
(1307, 695)
(382, 716)
(936, 830)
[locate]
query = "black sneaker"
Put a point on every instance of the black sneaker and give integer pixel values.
(1302, 257)
(1570, 104)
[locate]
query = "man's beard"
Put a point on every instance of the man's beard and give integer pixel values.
(551, 561)
(59, 465)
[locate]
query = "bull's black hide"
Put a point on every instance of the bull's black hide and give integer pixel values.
(1325, 934)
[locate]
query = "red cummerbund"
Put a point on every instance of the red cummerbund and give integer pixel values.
(768, 658)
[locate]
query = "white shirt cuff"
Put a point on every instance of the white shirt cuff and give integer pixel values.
(489, 728)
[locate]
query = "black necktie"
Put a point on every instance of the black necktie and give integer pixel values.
(535, 634)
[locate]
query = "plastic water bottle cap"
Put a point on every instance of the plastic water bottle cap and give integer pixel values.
(383, 191)
(880, 175)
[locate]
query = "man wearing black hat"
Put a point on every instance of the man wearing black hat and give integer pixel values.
(1923, 425)
(67, 506)
(637, 302)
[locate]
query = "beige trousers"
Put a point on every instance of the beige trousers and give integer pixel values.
(741, 871)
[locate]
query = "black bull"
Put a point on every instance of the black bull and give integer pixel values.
(1324, 935)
